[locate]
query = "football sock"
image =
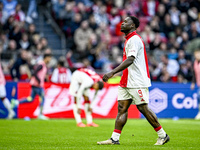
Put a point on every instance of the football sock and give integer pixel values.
(116, 134)
(76, 115)
(161, 133)
(7, 104)
(88, 114)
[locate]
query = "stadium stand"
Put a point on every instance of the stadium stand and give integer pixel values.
(170, 29)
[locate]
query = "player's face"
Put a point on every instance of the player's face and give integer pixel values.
(197, 55)
(127, 25)
(48, 59)
(95, 86)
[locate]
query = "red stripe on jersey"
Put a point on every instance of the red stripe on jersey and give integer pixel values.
(124, 79)
(146, 60)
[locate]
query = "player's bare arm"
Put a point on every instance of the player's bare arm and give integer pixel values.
(125, 64)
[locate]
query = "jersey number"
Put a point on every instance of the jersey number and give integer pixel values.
(140, 93)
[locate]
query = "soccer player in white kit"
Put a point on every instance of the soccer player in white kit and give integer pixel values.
(61, 74)
(82, 80)
(133, 88)
(3, 97)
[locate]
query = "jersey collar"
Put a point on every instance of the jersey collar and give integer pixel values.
(130, 35)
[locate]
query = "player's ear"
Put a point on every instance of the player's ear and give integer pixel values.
(133, 25)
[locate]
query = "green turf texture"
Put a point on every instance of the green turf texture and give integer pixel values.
(63, 134)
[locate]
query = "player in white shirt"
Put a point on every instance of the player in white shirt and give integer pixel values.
(61, 74)
(3, 97)
(81, 82)
(134, 83)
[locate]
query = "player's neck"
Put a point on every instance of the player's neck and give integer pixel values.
(129, 31)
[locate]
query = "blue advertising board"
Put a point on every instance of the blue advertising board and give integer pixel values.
(169, 100)
(9, 88)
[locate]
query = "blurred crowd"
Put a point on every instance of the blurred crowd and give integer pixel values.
(21, 45)
(170, 29)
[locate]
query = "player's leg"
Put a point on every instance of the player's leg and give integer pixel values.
(40, 92)
(153, 120)
(6, 102)
(73, 88)
(88, 112)
(124, 102)
(120, 121)
(198, 98)
(77, 114)
(15, 102)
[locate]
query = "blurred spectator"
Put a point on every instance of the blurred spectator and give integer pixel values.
(24, 42)
(172, 65)
(32, 11)
(184, 40)
(12, 45)
(162, 50)
(147, 35)
(61, 74)
(164, 75)
(76, 22)
(114, 18)
(81, 37)
(150, 7)
(81, 9)
(31, 32)
(9, 6)
(193, 33)
(103, 33)
(92, 23)
(15, 69)
(174, 13)
(101, 16)
(4, 40)
(44, 43)
(58, 6)
(18, 14)
(15, 33)
(3, 14)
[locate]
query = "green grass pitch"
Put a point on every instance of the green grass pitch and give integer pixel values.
(63, 134)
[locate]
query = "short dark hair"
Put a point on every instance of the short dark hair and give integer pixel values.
(101, 85)
(47, 55)
(61, 63)
(135, 21)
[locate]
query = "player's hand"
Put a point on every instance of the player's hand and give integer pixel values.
(90, 109)
(192, 86)
(79, 111)
(107, 76)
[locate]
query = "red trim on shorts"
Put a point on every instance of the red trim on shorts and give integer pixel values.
(117, 131)
(158, 128)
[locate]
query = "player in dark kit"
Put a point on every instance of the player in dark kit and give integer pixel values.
(133, 87)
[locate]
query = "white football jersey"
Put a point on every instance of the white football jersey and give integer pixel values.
(137, 74)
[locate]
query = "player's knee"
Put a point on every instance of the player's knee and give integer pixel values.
(121, 109)
(142, 108)
(30, 99)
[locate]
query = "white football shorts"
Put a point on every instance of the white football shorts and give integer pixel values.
(138, 95)
(2, 91)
